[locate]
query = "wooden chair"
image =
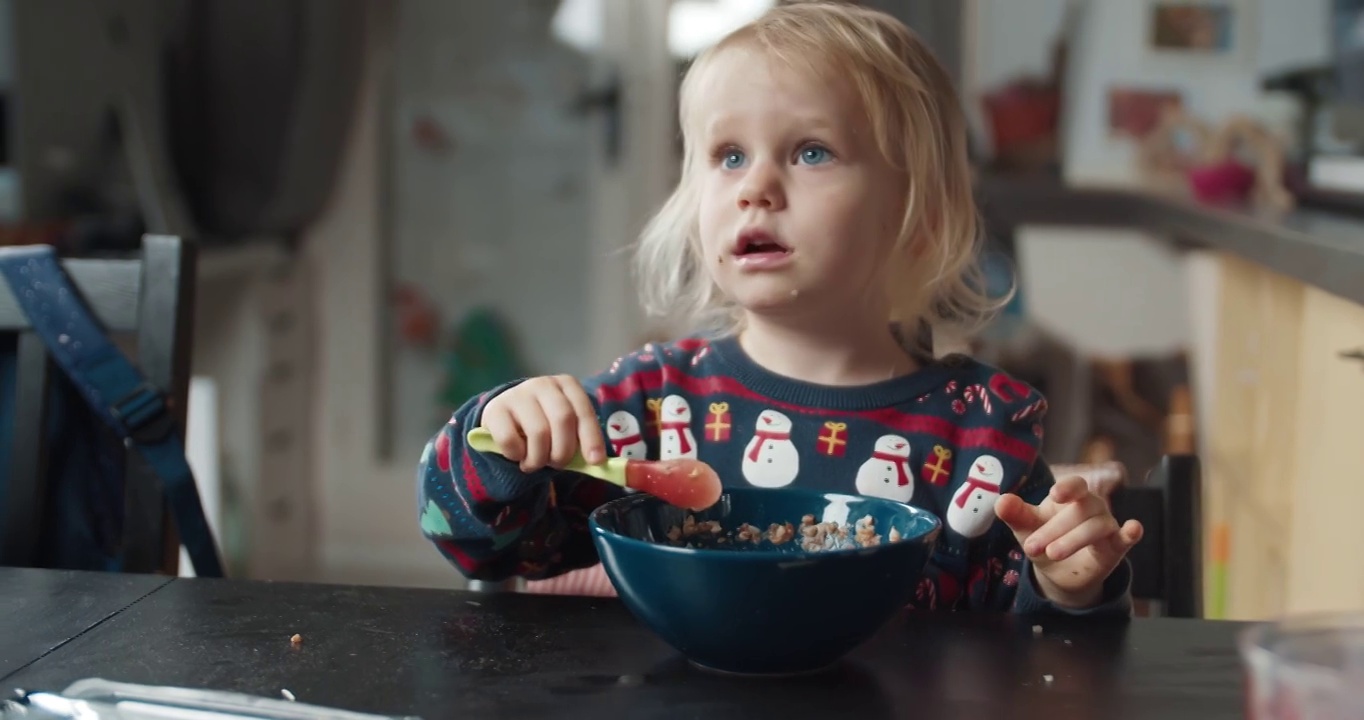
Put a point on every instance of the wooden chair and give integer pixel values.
(1167, 565)
(152, 299)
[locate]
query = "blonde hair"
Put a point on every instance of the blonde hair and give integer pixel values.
(932, 275)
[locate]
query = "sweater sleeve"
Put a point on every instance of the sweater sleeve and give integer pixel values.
(494, 522)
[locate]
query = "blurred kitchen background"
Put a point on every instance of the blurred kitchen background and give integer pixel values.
(402, 202)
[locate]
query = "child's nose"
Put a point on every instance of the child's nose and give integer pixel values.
(762, 189)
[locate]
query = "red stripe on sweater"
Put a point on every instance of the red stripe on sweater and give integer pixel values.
(461, 558)
(701, 387)
(478, 492)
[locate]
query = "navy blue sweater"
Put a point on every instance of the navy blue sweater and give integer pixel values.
(948, 438)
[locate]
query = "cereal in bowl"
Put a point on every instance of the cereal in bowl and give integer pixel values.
(809, 536)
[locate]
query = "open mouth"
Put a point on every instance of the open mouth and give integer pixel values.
(758, 243)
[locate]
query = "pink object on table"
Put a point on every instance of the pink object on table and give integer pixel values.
(1222, 183)
(591, 582)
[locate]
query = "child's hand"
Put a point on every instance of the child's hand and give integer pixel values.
(1072, 539)
(543, 421)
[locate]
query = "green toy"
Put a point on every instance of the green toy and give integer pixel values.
(481, 356)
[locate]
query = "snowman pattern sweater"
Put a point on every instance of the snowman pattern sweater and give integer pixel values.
(949, 438)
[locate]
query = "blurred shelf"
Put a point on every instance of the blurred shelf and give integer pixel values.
(1321, 248)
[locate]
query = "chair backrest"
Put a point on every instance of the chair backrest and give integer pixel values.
(152, 299)
(1167, 565)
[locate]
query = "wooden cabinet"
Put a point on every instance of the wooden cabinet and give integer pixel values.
(1283, 448)
(1325, 571)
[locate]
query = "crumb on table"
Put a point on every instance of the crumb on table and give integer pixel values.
(296, 639)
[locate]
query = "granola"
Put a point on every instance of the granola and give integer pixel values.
(809, 536)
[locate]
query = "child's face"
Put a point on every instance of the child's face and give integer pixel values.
(798, 206)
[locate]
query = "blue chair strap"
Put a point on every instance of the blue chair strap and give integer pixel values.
(112, 386)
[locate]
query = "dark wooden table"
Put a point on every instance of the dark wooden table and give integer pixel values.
(445, 654)
(41, 609)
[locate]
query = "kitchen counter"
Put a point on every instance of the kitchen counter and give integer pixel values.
(1323, 249)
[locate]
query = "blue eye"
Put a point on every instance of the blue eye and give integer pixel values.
(732, 159)
(814, 155)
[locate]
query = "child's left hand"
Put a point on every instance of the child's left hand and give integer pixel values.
(1072, 539)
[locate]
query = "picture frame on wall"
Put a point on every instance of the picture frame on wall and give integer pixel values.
(1212, 30)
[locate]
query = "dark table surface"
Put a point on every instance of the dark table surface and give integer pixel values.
(445, 654)
(41, 609)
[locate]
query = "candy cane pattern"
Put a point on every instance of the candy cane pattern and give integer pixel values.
(978, 392)
(697, 357)
(615, 366)
(927, 594)
(951, 387)
(1039, 406)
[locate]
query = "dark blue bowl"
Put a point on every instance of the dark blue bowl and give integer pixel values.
(762, 609)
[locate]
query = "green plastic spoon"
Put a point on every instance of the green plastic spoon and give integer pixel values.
(683, 482)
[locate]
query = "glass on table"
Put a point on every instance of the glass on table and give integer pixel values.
(1309, 667)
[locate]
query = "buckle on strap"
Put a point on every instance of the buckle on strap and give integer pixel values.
(142, 413)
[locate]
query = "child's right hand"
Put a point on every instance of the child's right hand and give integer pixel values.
(543, 422)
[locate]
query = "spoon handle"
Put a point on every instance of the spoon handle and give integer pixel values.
(612, 471)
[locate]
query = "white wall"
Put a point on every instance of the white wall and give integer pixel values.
(1112, 51)
(1107, 294)
(1013, 38)
(368, 528)
(368, 531)
(501, 219)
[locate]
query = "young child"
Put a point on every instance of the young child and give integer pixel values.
(823, 221)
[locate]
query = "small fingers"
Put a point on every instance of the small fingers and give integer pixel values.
(1126, 537)
(498, 420)
(1132, 532)
(1067, 519)
(563, 426)
(1021, 517)
(1069, 489)
(535, 427)
(589, 430)
(1092, 531)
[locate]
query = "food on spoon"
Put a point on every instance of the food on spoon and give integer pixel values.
(686, 483)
